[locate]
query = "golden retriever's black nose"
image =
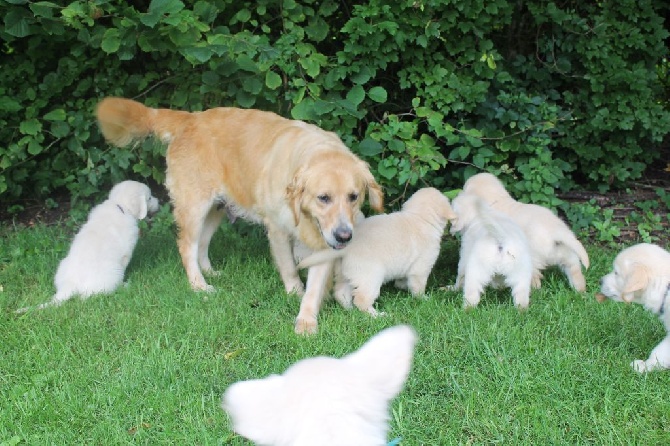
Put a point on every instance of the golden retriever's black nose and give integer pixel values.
(342, 234)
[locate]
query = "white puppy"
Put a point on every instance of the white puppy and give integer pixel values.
(551, 240)
(641, 274)
(403, 246)
(102, 248)
(326, 401)
(494, 250)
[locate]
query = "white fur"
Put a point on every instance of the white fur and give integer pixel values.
(326, 401)
(402, 246)
(641, 274)
(551, 241)
(102, 248)
(494, 250)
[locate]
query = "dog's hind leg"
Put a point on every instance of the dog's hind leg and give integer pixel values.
(365, 294)
(572, 268)
(211, 224)
(190, 220)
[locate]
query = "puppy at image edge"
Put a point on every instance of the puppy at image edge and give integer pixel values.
(326, 401)
(641, 274)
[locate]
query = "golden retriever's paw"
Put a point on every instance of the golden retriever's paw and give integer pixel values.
(374, 313)
(203, 288)
(305, 326)
(639, 366)
(297, 289)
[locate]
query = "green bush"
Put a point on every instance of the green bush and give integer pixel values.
(545, 95)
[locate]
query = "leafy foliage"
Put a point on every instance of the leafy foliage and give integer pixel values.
(545, 95)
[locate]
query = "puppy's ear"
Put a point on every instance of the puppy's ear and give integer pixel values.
(141, 207)
(385, 360)
(294, 194)
(637, 279)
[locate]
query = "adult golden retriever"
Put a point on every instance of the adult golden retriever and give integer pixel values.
(300, 181)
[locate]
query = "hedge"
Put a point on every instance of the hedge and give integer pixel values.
(547, 95)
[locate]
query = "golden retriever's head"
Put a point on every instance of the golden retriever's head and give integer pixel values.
(637, 276)
(487, 186)
(327, 193)
(135, 198)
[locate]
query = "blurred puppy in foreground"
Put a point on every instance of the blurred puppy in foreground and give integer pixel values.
(641, 274)
(326, 401)
(103, 247)
(494, 250)
(401, 246)
(551, 241)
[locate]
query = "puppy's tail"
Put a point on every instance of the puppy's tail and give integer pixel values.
(123, 121)
(484, 213)
(571, 242)
(326, 255)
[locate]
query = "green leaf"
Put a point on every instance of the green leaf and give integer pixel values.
(356, 95)
(111, 41)
(303, 110)
(17, 22)
(8, 104)
(165, 7)
(56, 115)
(378, 94)
(30, 127)
(43, 9)
(272, 80)
(369, 147)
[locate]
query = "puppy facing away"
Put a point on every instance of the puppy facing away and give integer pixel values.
(403, 246)
(494, 250)
(641, 274)
(326, 401)
(301, 182)
(551, 240)
(102, 248)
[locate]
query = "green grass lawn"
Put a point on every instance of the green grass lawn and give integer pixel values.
(148, 364)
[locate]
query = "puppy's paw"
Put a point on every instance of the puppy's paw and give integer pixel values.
(305, 326)
(373, 312)
(639, 366)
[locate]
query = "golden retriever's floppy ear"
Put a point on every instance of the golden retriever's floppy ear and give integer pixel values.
(294, 192)
(636, 280)
(375, 194)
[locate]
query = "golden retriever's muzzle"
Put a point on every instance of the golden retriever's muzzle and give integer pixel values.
(342, 235)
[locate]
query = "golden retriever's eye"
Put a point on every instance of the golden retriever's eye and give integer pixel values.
(324, 198)
(353, 197)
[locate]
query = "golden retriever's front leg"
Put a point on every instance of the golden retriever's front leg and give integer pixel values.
(317, 278)
(282, 252)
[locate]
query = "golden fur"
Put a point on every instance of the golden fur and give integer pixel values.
(300, 181)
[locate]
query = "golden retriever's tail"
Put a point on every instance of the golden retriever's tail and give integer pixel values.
(123, 121)
(326, 255)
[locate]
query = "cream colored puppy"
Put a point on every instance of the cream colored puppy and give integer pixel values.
(102, 248)
(551, 240)
(403, 246)
(641, 275)
(494, 250)
(326, 401)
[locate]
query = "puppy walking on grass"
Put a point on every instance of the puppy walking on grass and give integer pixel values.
(101, 250)
(403, 246)
(494, 250)
(551, 241)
